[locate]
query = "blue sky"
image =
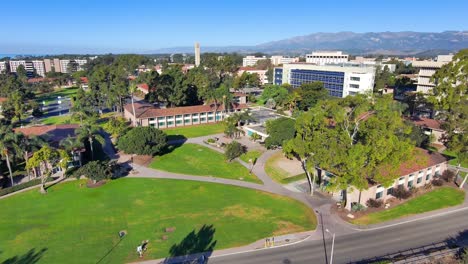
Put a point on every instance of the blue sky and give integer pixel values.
(45, 26)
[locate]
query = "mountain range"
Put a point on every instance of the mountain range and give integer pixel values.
(386, 43)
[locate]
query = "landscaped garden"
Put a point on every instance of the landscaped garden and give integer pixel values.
(76, 224)
(433, 200)
(275, 169)
(194, 131)
(194, 159)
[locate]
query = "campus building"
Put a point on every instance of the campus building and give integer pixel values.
(413, 174)
(251, 60)
(261, 73)
(339, 80)
(427, 69)
(3, 67)
(38, 66)
(432, 128)
(277, 60)
(52, 64)
(64, 65)
(30, 66)
(326, 57)
(149, 115)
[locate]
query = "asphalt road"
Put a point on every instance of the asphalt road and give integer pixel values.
(361, 245)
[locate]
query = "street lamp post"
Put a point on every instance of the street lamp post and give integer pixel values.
(333, 245)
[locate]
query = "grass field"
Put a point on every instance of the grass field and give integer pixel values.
(278, 174)
(52, 97)
(195, 131)
(194, 159)
(58, 120)
(437, 199)
(75, 224)
(250, 155)
(454, 160)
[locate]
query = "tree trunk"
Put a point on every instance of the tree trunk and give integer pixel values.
(309, 179)
(9, 168)
(91, 147)
(133, 109)
(26, 158)
(43, 174)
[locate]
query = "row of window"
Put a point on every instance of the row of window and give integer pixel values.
(410, 184)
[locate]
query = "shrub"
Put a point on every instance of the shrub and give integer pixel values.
(357, 207)
(448, 175)
(401, 193)
(22, 186)
(279, 130)
(143, 141)
(210, 140)
(116, 126)
(234, 150)
(95, 170)
(437, 182)
(374, 203)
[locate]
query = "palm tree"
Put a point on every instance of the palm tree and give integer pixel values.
(132, 89)
(90, 131)
(8, 142)
(71, 144)
(29, 144)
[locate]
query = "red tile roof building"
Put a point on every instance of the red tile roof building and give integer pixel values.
(149, 115)
(53, 133)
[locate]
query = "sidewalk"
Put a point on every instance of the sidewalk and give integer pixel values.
(279, 241)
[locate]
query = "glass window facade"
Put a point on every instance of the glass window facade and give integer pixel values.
(378, 195)
(332, 81)
(278, 80)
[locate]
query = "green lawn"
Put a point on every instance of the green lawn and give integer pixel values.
(75, 224)
(250, 155)
(195, 131)
(52, 97)
(437, 199)
(58, 120)
(278, 174)
(454, 161)
(194, 159)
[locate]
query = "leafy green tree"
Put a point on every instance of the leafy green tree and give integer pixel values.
(234, 150)
(278, 93)
(352, 138)
(15, 106)
(95, 171)
(8, 146)
(29, 144)
(116, 126)
(279, 130)
(310, 93)
(65, 158)
(45, 158)
(22, 73)
(90, 132)
(143, 141)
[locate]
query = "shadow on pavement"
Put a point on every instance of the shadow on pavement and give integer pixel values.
(29, 257)
(196, 247)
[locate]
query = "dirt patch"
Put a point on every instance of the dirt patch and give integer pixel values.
(91, 184)
(240, 211)
(143, 160)
(286, 227)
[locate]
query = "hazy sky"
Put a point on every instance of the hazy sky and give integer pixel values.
(67, 26)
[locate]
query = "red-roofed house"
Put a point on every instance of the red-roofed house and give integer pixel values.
(149, 115)
(143, 87)
(431, 127)
(84, 83)
(240, 98)
(414, 173)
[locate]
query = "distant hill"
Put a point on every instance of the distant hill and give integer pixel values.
(391, 43)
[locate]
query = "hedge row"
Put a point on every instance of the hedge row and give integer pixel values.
(22, 186)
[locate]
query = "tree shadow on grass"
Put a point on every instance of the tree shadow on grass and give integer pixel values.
(196, 247)
(28, 258)
(169, 148)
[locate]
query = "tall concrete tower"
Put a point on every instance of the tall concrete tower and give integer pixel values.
(197, 54)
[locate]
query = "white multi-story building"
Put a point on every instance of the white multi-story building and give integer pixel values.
(261, 73)
(3, 66)
(65, 63)
(339, 80)
(277, 60)
(427, 69)
(326, 57)
(251, 60)
(15, 63)
(38, 65)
